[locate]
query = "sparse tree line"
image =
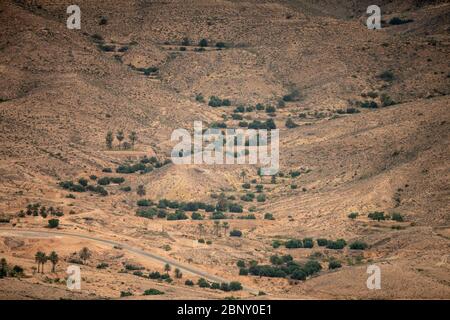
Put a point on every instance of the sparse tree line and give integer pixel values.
(282, 267)
(145, 165)
(202, 43)
(226, 287)
(120, 136)
(308, 243)
(36, 209)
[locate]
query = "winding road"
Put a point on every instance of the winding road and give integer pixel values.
(151, 256)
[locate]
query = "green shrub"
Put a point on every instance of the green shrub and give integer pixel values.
(235, 286)
(243, 272)
(336, 245)
(268, 216)
(308, 243)
(235, 233)
(83, 182)
(215, 102)
(387, 75)
(146, 213)
(202, 283)
(299, 274)
(377, 215)
(246, 185)
(177, 215)
(152, 292)
(106, 47)
(240, 263)
(221, 45)
(218, 216)
(235, 208)
(260, 106)
(189, 283)
(386, 101)
(277, 260)
(397, 217)
(358, 245)
(294, 95)
(125, 294)
(312, 267)
(276, 244)
(144, 203)
(398, 21)
(353, 215)
(271, 109)
(261, 197)
(322, 242)
(203, 43)
(369, 104)
(104, 181)
(290, 124)
(334, 264)
(117, 180)
(215, 286)
(293, 244)
(196, 216)
(102, 265)
(154, 275)
(53, 223)
(295, 174)
(248, 197)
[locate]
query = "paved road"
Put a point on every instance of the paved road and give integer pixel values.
(137, 251)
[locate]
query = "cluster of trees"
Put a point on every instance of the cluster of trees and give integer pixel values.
(216, 230)
(109, 139)
(282, 267)
(202, 43)
(145, 165)
(10, 271)
(379, 215)
(269, 124)
(165, 276)
(321, 242)
(36, 209)
(203, 283)
(84, 186)
(41, 259)
(215, 102)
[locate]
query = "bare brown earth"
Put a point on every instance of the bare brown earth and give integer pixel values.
(60, 94)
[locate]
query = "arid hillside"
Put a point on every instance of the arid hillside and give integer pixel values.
(364, 126)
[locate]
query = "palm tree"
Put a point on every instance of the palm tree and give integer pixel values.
(53, 257)
(243, 175)
(216, 227)
(133, 138)
(43, 260)
(225, 227)
(201, 229)
(167, 268)
(120, 136)
(85, 254)
(109, 139)
(40, 258)
(178, 273)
